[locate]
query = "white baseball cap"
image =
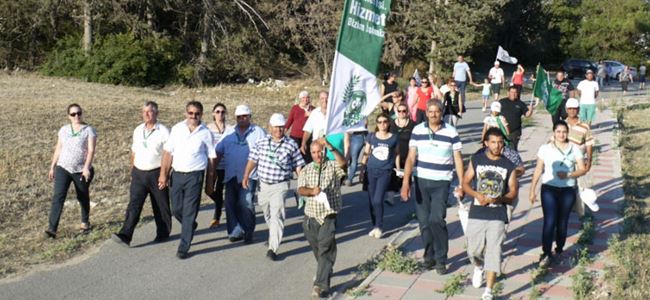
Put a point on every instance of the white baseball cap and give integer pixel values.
(589, 197)
(495, 106)
(277, 120)
(242, 110)
(572, 103)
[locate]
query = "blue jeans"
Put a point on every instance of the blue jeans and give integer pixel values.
(356, 144)
(462, 86)
(556, 205)
(431, 211)
(378, 182)
(239, 206)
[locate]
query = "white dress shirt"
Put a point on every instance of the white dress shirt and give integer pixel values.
(315, 124)
(190, 150)
(148, 145)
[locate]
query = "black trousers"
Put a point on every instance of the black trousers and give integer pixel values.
(307, 155)
(431, 211)
(186, 191)
(217, 194)
(514, 137)
(145, 183)
(323, 243)
(62, 181)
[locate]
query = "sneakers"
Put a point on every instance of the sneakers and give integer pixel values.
(483, 109)
(376, 233)
(477, 278)
(317, 292)
(237, 234)
(271, 255)
(545, 260)
(487, 296)
(347, 182)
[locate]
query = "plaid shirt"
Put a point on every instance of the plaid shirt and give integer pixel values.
(276, 161)
(330, 184)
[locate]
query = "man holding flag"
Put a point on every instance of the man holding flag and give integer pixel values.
(549, 94)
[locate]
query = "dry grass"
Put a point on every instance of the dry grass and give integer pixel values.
(33, 109)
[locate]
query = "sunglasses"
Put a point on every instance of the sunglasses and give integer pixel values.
(219, 111)
(425, 82)
(401, 110)
(192, 113)
(382, 122)
(74, 114)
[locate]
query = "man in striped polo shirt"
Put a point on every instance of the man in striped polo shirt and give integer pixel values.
(276, 157)
(580, 135)
(434, 153)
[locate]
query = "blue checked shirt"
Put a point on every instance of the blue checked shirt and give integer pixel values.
(275, 161)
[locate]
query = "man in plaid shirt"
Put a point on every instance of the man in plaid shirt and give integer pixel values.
(275, 156)
(320, 183)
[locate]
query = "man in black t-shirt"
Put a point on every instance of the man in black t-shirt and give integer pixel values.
(568, 91)
(495, 187)
(513, 109)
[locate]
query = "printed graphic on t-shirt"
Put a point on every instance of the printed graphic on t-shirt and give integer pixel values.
(490, 181)
(380, 152)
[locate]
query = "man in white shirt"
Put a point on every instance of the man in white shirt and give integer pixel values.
(588, 91)
(189, 150)
(497, 79)
(315, 125)
(146, 156)
(461, 73)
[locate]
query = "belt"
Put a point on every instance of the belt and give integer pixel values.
(269, 183)
(190, 172)
(359, 132)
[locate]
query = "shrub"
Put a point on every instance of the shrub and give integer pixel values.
(116, 59)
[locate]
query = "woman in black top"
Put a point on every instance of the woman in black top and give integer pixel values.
(402, 127)
(387, 88)
(453, 104)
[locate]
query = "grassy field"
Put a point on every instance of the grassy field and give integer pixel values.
(33, 109)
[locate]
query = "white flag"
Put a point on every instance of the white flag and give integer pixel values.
(503, 56)
(417, 77)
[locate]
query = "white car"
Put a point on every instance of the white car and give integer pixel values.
(615, 68)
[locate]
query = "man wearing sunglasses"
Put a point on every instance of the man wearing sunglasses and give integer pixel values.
(188, 151)
(234, 150)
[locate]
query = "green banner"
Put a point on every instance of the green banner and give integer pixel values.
(544, 90)
(361, 37)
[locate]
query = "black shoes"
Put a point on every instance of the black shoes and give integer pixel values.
(50, 234)
(182, 255)
(233, 239)
(271, 255)
(441, 270)
(120, 239)
(160, 239)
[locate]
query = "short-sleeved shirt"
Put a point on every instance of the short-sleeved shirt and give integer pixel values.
(74, 147)
(642, 70)
(435, 151)
(276, 160)
(556, 160)
(190, 150)
(403, 138)
(513, 111)
(329, 183)
(491, 179)
(493, 121)
(460, 71)
(518, 78)
(234, 149)
(564, 86)
(580, 135)
(216, 139)
(486, 89)
(495, 74)
(336, 140)
(382, 152)
(315, 124)
(148, 145)
(588, 89)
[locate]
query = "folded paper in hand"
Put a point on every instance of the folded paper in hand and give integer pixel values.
(322, 198)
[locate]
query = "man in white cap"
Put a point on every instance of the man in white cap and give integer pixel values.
(275, 157)
(234, 150)
(580, 135)
(497, 79)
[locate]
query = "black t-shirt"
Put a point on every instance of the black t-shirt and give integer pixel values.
(491, 179)
(403, 137)
(564, 86)
(513, 111)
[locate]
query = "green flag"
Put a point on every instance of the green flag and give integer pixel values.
(354, 93)
(544, 90)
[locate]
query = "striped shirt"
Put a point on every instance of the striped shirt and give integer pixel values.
(435, 151)
(275, 160)
(580, 135)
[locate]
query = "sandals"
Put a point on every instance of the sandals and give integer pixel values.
(84, 228)
(214, 223)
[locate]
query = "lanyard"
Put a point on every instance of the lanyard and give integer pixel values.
(145, 136)
(78, 133)
(240, 140)
(431, 134)
(566, 155)
(273, 154)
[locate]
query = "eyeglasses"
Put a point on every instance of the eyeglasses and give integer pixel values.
(219, 111)
(242, 116)
(425, 82)
(193, 113)
(401, 110)
(74, 114)
(382, 122)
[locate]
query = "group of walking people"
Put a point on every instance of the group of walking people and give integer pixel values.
(415, 150)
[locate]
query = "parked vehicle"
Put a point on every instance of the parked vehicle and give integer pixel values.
(576, 68)
(615, 68)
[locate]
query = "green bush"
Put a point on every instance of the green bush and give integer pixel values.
(116, 59)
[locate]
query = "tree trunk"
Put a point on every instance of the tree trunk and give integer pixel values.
(205, 40)
(431, 60)
(88, 27)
